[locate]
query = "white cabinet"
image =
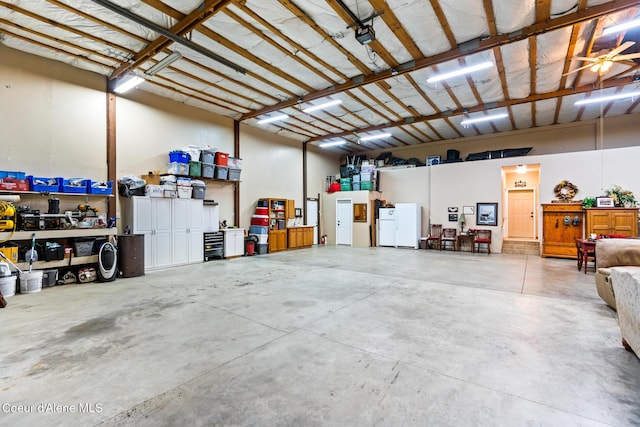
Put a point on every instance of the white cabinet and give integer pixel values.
(151, 217)
(186, 218)
(233, 242)
(172, 229)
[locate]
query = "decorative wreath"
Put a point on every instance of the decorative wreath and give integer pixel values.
(565, 190)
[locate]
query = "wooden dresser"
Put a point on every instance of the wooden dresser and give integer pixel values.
(622, 221)
(559, 239)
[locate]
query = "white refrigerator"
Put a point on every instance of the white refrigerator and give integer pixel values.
(400, 226)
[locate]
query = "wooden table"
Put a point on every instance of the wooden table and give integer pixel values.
(465, 242)
(585, 248)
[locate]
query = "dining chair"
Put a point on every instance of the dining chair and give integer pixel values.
(483, 237)
(449, 235)
(435, 235)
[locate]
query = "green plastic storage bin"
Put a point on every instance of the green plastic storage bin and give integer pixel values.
(195, 168)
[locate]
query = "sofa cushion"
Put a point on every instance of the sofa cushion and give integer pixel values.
(626, 283)
(617, 252)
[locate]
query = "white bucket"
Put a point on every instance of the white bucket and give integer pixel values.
(30, 281)
(8, 286)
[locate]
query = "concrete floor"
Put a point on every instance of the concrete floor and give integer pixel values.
(323, 336)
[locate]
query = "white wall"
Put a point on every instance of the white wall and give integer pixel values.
(52, 118)
(467, 183)
(53, 123)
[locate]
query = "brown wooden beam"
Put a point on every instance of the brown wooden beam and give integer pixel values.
(236, 193)
(482, 45)
(111, 150)
(478, 108)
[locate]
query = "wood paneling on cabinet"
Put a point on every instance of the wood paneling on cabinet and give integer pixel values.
(623, 221)
(558, 238)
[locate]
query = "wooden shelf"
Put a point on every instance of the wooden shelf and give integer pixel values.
(53, 193)
(60, 234)
(45, 265)
(223, 181)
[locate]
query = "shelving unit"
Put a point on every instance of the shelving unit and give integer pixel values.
(34, 198)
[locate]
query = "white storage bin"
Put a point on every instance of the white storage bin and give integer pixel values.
(155, 190)
(186, 182)
(8, 286)
(177, 168)
(30, 282)
(184, 192)
(263, 239)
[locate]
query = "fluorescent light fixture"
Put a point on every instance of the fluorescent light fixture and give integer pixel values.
(273, 119)
(624, 26)
(461, 71)
(378, 136)
(323, 106)
(484, 119)
(128, 83)
(332, 143)
(607, 98)
(168, 60)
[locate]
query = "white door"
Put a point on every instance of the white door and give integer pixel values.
(142, 223)
(387, 227)
(161, 241)
(196, 236)
(180, 227)
(344, 214)
(312, 217)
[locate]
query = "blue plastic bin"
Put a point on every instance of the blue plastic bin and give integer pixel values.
(99, 187)
(44, 184)
(74, 185)
(179, 156)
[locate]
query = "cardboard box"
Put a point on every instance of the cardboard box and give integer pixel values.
(151, 179)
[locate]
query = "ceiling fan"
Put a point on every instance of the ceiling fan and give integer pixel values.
(601, 64)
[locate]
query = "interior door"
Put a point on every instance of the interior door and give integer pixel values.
(312, 217)
(521, 215)
(344, 215)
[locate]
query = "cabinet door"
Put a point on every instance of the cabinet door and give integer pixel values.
(180, 231)
(196, 233)
(292, 237)
(624, 222)
(161, 242)
(308, 236)
(141, 222)
(291, 209)
(598, 221)
(142, 215)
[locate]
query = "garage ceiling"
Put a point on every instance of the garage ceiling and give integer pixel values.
(255, 59)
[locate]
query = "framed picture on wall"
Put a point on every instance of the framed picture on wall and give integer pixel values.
(486, 214)
(453, 217)
(468, 210)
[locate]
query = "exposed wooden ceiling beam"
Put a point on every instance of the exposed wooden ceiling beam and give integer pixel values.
(482, 45)
(186, 24)
(531, 98)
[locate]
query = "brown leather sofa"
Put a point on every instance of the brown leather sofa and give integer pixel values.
(613, 253)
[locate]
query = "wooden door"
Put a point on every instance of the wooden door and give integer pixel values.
(521, 214)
